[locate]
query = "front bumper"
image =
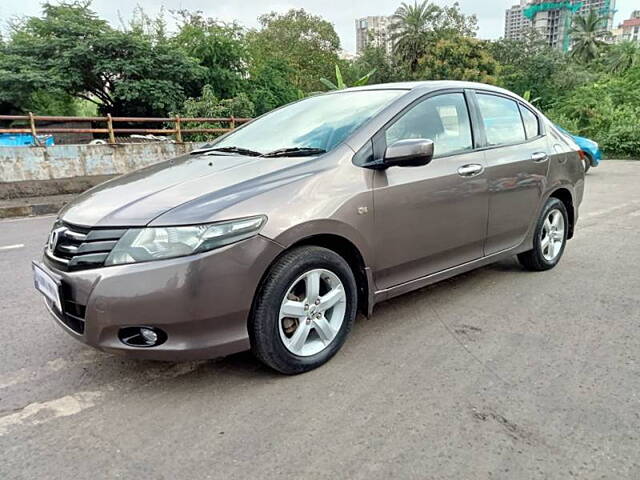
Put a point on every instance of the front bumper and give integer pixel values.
(202, 302)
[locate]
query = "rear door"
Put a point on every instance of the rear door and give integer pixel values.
(517, 162)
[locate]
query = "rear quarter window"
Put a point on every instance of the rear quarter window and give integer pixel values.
(531, 123)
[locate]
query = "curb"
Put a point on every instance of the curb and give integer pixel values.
(32, 210)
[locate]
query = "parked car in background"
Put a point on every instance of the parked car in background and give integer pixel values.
(592, 153)
(273, 236)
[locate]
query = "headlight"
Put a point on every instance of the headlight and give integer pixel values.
(156, 243)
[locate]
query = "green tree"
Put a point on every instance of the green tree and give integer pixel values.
(411, 24)
(269, 85)
(30, 62)
(624, 56)
(52, 103)
(143, 24)
(415, 26)
(450, 21)
(308, 43)
(587, 34)
(216, 46)
(529, 64)
(374, 58)
(70, 50)
(462, 58)
(132, 76)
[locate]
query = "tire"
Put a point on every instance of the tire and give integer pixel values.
(548, 246)
(586, 163)
(279, 340)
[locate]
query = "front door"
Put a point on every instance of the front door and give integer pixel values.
(432, 217)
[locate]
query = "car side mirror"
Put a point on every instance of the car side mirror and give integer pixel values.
(413, 152)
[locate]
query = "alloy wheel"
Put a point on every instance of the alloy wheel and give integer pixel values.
(312, 312)
(552, 238)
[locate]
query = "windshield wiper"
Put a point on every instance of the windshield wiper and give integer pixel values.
(295, 152)
(238, 150)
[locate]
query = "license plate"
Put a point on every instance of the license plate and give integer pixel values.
(47, 286)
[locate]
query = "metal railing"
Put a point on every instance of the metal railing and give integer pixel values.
(111, 131)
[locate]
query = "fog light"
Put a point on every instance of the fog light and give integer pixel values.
(142, 336)
(149, 336)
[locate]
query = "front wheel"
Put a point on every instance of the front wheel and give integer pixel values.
(304, 310)
(550, 238)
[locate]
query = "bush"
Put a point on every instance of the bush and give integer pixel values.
(623, 136)
(568, 123)
(607, 111)
(208, 105)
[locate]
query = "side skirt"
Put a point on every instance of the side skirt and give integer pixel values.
(388, 293)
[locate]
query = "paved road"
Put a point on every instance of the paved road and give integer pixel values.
(498, 373)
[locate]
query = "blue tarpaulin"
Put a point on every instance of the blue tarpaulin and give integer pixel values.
(24, 139)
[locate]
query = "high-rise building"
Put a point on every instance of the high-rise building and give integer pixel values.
(515, 23)
(629, 29)
(373, 31)
(553, 18)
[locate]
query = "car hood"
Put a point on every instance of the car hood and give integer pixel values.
(139, 198)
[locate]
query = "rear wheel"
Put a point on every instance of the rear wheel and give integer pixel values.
(304, 310)
(550, 238)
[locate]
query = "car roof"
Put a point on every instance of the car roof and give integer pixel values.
(432, 85)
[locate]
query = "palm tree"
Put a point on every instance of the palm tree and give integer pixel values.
(587, 33)
(624, 56)
(410, 26)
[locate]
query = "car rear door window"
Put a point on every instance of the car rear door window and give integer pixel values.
(501, 119)
(444, 119)
(531, 124)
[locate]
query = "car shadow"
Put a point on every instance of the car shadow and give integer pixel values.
(244, 367)
(508, 265)
(244, 364)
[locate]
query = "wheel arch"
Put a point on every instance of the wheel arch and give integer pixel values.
(564, 195)
(347, 250)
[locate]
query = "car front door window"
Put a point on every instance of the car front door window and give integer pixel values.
(443, 119)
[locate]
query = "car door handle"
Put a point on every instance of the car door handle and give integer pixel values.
(540, 157)
(470, 170)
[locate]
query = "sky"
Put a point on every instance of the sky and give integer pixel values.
(342, 13)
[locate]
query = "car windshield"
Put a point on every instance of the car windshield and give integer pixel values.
(310, 126)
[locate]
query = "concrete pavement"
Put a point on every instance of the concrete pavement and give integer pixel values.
(498, 373)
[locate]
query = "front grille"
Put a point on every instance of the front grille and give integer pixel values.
(74, 248)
